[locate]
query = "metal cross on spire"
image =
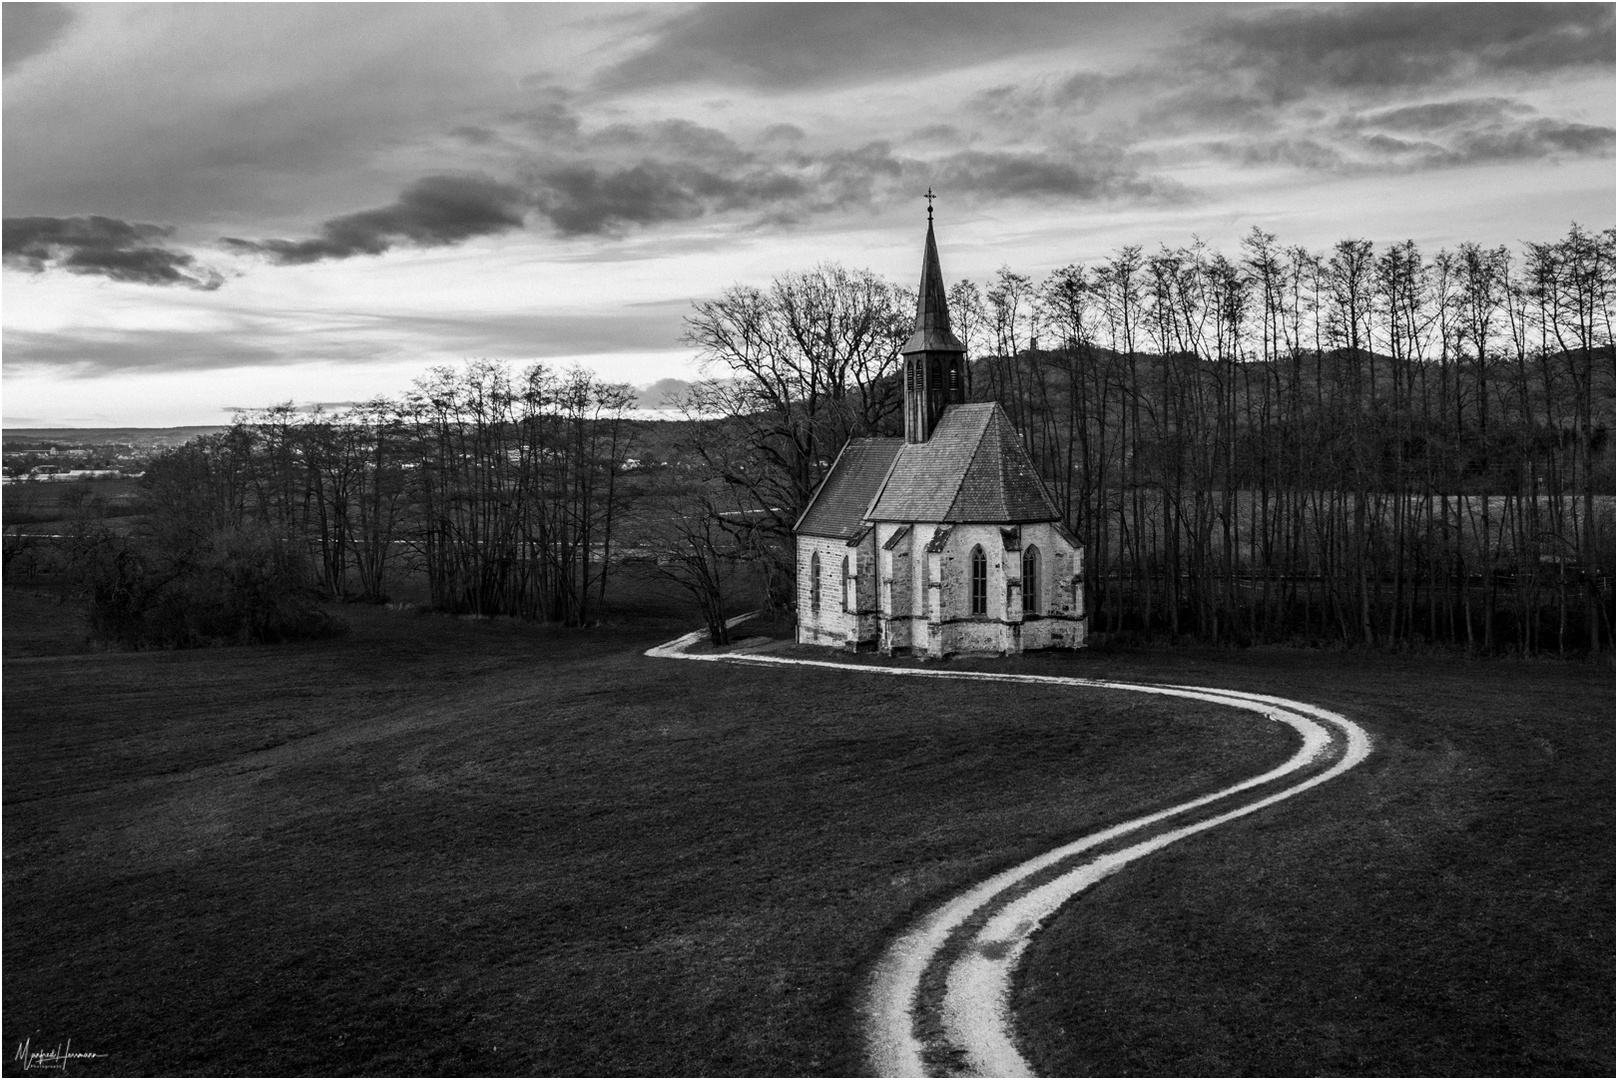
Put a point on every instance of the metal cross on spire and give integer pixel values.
(930, 197)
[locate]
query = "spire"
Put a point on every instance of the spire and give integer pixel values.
(932, 332)
(935, 371)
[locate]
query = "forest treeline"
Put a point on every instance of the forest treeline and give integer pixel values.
(1363, 446)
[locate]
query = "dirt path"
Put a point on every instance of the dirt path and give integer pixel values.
(938, 1003)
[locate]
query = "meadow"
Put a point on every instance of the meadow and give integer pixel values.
(453, 846)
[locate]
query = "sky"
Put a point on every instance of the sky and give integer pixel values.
(220, 206)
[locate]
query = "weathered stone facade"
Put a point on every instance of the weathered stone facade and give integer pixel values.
(909, 589)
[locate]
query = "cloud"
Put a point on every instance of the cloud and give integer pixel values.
(1301, 153)
(1441, 136)
(84, 353)
(244, 338)
(1093, 173)
(583, 199)
(1318, 87)
(30, 29)
(798, 46)
(520, 336)
(1430, 116)
(1291, 51)
(662, 394)
(1536, 139)
(104, 247)
(435, 211)
(1471, 131)
(783, 133)
(248, 119)
(1074, 94)
(606, 181)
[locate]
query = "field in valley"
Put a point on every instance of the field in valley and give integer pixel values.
(446, 846)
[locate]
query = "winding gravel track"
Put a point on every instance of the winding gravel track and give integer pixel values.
(975, 939)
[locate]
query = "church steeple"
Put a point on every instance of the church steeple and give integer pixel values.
(934, 358)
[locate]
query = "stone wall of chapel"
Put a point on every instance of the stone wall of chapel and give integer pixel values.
(864, 592)
(1059, 617)
(1004, 627)
(827, 623)
(900, 590)
(957, 629)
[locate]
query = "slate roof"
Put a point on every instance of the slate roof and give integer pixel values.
(973, 469)
(932, 333)
(837, 509)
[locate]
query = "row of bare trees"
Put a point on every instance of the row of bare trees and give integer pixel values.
(1359, 445)
(501, 491)
(1364, 446)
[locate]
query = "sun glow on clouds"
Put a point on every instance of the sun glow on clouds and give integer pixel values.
(414, 186)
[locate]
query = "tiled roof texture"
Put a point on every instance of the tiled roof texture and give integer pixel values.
(838, 507)
(973, 469)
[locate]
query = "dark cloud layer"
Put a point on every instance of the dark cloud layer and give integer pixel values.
(104, 247)
(29, 29)
(432, 212)
(609, 180)
(584, 199)
(1329, 88)
(1381, 46)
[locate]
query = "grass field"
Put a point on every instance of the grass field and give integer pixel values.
(443, 846)
(455, 847)
(1445, 910)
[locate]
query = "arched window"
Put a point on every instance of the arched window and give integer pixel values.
(915, 374)
(954, 374)
(814, 582)
(1030, 580)
(937, 377)
(848, 587)
(980, 582)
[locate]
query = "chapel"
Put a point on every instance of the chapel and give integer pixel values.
(945, 541)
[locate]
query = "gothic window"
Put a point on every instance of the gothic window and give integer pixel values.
(954, 374)
(936, 376)
(915, 374)
(848, 587)
(980, 582)
(814, 582)
(1030, 579)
